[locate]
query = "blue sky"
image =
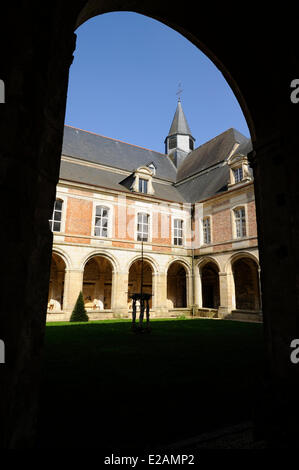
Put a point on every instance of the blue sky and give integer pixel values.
(124, 79)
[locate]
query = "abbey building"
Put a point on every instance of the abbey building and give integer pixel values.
(192, 209)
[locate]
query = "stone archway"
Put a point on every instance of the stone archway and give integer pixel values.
(97, 284)
(134, 280)
(246, 280)
(41, 102)
(176, 286)
(56, 284)
(210, 285)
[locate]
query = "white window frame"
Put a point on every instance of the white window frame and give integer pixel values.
(238, 174)
(235, 221)
(52, 221)
(143, 212)
(109, 207)
(101, 218)
(143, 184)
(207, 217)
(179, 229)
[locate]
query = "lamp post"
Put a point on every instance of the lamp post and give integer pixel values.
(143, 303)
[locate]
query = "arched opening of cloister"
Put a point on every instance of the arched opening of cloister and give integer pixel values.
(210, 285)
(246, 280)
(56, 284)
(97, 283)
(176, 286)
(138, 274)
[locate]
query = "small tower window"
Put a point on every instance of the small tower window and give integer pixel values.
(172, 142)
(191, 144)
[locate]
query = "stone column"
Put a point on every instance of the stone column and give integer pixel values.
(160, 293)
(119, 300)
(197, 289)
(227, 294)
(73, 284)
(189, 290)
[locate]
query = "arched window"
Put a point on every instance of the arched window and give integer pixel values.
(55, 221)
(240, 222)
(101, 221)
(142, 226)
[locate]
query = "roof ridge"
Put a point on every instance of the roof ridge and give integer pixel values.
(116, 140)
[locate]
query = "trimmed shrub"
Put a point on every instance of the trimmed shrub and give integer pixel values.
(79, 313)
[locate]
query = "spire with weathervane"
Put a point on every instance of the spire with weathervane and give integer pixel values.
(179, 141)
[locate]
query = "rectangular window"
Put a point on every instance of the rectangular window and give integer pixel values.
(206, 230)
(55, 222)
(142, 226)
(240, 222)
(178, 232)
(238, 174)
(101, 222)
(142, 186)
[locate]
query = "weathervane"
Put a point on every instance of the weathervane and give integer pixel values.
(180, 90)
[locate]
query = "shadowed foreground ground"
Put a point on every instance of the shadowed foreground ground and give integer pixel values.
(105, 387)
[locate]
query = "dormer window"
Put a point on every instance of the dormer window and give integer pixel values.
(239, 170)
(152, 167)
(142, 182)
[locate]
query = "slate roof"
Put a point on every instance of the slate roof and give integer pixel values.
(203, 173)
(207, 166)
(205, 184)
(111, 180)
(96, 148)
(212, 152)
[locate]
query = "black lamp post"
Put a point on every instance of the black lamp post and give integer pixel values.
(143, 299)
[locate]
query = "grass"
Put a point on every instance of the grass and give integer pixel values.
(104, 386)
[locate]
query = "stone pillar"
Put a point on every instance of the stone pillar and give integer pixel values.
(160, 293)
(227, 294)
(119, 300)
(197, 289)
(189, 290)
(73, 284)
(274, 164)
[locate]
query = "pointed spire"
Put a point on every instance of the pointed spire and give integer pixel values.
(179, 124)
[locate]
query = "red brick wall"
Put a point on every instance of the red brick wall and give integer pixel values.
(221, 226)
(78, 219)
(252, 229)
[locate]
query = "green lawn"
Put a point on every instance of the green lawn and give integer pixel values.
(104, 386)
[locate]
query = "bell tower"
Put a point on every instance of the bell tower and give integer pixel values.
(179, 141)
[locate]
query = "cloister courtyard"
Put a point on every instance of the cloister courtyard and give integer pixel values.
(105, 387)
